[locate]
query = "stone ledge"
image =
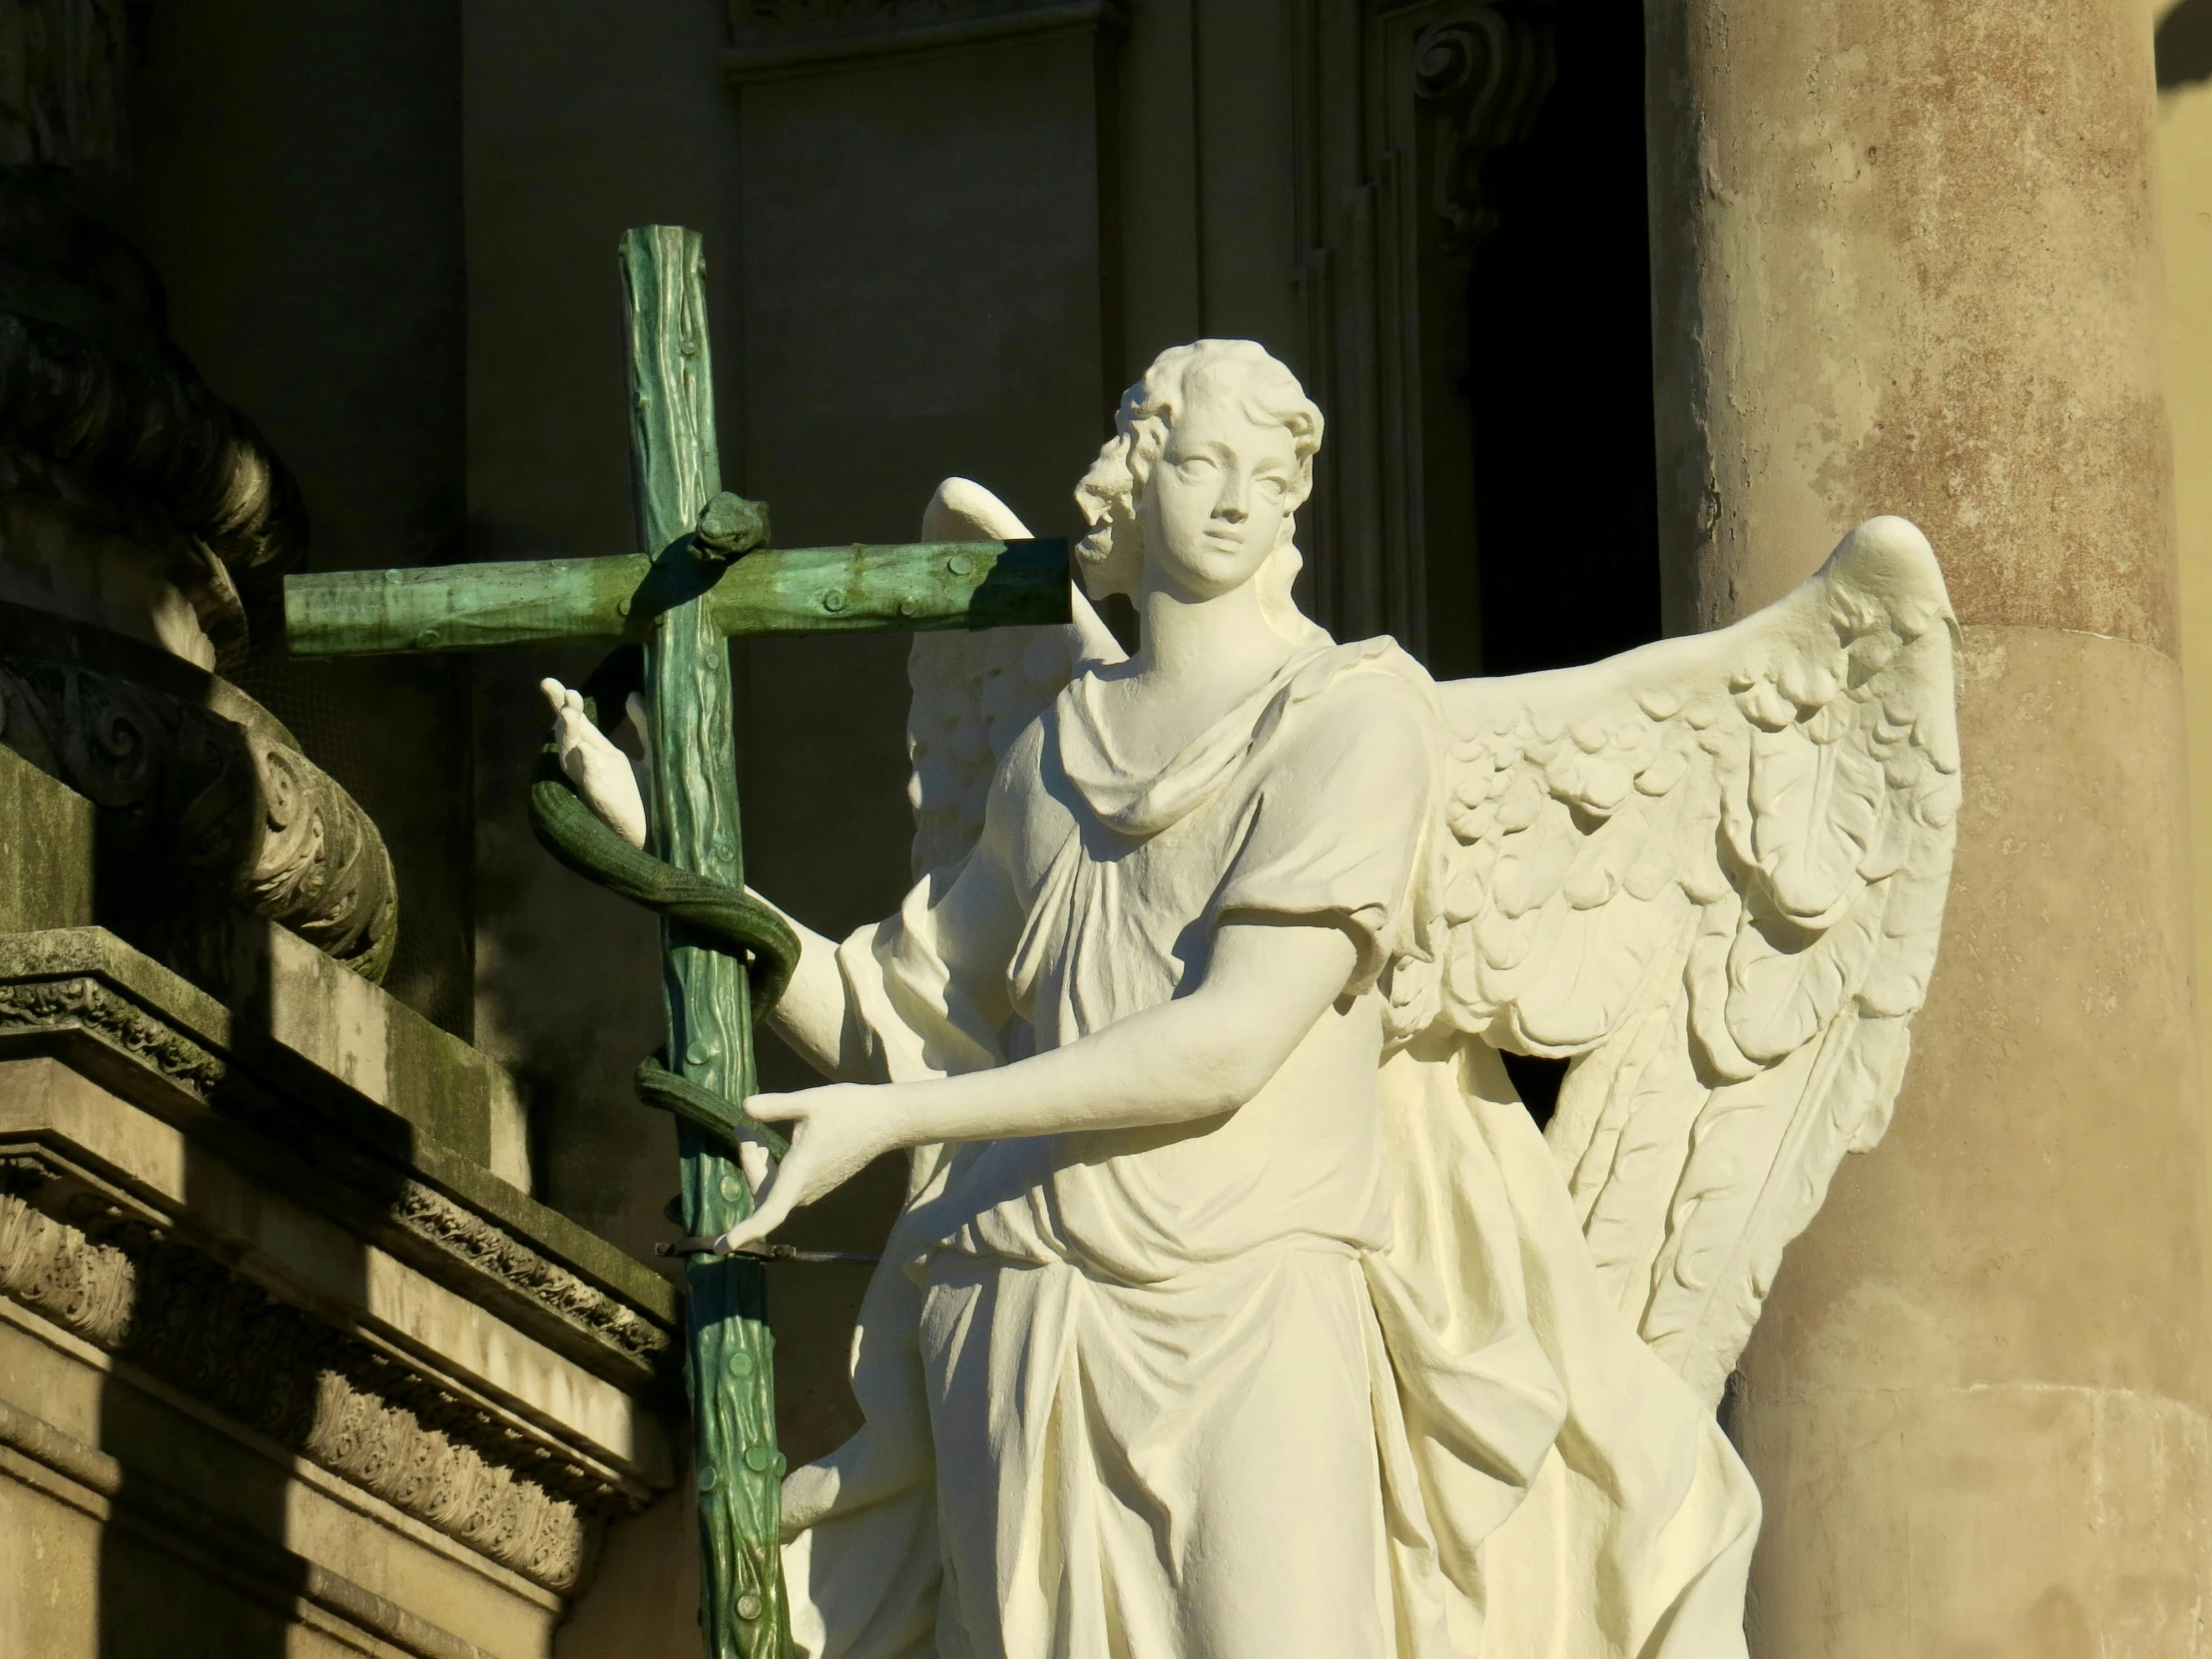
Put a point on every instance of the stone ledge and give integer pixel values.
(54, 856)
(127, 1279)
(36, 1453)
(778, 39)
(116, 1016)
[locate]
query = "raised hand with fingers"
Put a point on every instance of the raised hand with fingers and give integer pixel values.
(601, 773)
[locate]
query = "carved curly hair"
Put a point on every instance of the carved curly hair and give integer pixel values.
(1112, 555)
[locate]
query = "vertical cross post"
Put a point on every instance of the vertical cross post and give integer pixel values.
(680, 602)
(675, 469)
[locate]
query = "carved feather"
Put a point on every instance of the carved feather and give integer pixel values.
(1712, 872)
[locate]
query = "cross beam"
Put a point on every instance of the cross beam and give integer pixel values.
(915, 588)
(682, 605)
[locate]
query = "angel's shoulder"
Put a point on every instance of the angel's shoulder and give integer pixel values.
(1021, 768)
(1022, 810)
(1366, 697)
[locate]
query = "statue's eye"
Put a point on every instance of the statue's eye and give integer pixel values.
(1273, 487)
(1196, 466)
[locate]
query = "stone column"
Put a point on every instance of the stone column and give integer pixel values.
(1907, 261)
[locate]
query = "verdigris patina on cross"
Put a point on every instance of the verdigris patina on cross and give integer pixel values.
(724, 957)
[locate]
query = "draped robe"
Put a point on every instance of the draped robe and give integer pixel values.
(1330, 1377)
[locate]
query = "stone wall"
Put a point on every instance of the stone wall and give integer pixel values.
(294, 177)
(284, 1367)
(1910, 263)
(2183, 61)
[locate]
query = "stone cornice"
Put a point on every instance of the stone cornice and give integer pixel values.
(774, 38)
(141, 1031)
(122, 1278)
(93, 1483)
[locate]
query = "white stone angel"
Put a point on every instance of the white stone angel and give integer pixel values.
(1239, 1308)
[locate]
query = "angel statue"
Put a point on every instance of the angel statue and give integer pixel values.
(1239, 1308)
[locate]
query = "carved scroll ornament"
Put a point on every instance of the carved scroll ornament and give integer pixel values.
(1483, 78)
(248, 811)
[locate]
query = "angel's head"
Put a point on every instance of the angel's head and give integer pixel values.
(1211, 457)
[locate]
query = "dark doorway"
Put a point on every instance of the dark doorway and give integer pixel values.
(1559, 378)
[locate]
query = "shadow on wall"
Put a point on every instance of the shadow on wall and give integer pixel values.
(2184, 45)
(201, 1555)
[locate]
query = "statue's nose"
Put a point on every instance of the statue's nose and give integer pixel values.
(1232, 509)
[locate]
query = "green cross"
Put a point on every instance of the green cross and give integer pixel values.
(680, 604)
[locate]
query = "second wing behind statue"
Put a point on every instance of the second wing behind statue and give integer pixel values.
(1712, 872)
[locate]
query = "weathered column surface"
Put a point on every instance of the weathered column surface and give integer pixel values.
(1907, 262)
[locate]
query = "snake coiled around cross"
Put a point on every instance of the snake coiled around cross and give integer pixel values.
(722, 917)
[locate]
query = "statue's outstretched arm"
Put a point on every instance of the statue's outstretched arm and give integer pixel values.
(969, 907)
(811, 1013)
(1201, 1055)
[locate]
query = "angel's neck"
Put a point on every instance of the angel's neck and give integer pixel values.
(1197, 645)
(1197, 659)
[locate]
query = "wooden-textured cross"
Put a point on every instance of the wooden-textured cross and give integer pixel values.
(682, 604)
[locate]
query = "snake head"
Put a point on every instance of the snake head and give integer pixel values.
(730, 527)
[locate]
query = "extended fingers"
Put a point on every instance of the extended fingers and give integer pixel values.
(775, 1209)
(753, 1158)
(568, 707)
(778, 1108)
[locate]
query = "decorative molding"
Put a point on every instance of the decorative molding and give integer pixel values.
(182, 788)
(1482, 77)
(123, 1281)
(621, 1342)
(92, 1482)
(1389, 211)
(62, 94)
(492, 1251)
(83, 1003)
(781, 37)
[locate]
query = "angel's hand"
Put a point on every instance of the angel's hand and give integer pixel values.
(837, 1130)
(600, 770)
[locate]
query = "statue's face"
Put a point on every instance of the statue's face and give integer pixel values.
(1215, 502)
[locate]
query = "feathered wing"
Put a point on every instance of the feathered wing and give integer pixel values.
(974, 691)
(1712, 872)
